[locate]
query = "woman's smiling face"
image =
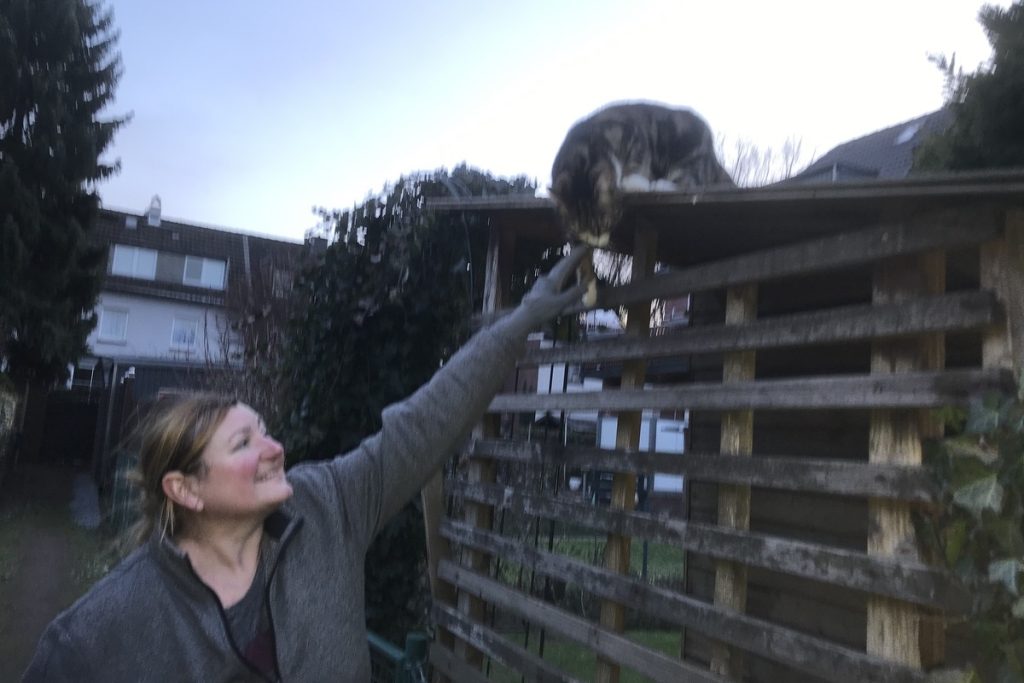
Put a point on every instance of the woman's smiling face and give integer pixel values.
(243, 468)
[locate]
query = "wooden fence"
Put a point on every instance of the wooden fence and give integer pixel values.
(826, 325)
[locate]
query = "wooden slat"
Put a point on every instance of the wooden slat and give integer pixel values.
(760, 637)
(909, 390)
(964, 185)
(627, 436)
(737, 441)
(500, 250)
(946, 229)
(1001, 259)
(497, 647)
(448, 663)
(611, 645)
(794, 474)
(958, 311)
(894, 626)
(907, 580)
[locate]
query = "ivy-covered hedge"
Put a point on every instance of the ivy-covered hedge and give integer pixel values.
(977, 532)
(390, 301)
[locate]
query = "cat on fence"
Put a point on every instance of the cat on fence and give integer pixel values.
(624, 148)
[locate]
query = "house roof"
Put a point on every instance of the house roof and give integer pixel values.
(887, 153)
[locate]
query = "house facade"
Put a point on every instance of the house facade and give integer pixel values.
(171, 313)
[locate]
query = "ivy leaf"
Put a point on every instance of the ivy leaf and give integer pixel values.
(1007, 534)
(966, 471)
(972, 447)
(1018, 609)
(984, 494)
(1005, 572)
(953, 538)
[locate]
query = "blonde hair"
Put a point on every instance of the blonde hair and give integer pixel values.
(172, 438)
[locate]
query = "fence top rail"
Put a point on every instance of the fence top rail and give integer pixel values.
(928, 186)
(693, 227)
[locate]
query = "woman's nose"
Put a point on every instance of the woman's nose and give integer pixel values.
(273, 446)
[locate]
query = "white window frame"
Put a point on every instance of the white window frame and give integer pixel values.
(205, 272)
(101, 334)
(135, 270)
(180, 320)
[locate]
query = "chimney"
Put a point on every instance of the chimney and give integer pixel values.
(153, 212)
(315, 245)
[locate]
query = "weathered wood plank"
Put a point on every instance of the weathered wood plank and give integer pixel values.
(940, 230)
(497, 647)
(599, 640)
(908, 390)
(764, 638)
(452, 667)
(627, 436)
(1001, 271)
(794, 474)
(894, 626)
(500, 250)
(907, 580)
(957, 311)
(926, 189)
(737, 441)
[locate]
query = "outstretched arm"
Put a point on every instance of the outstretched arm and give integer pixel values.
(418, 434)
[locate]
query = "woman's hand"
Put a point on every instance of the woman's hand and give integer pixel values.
(546, 299)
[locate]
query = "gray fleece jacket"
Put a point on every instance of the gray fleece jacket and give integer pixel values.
(152, 619)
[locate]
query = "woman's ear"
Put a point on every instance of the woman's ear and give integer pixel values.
(180, 489)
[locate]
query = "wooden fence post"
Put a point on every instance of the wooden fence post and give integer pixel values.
(1002, 272)
(627, 436)
(894, 628)
(734, 500)
(500, 250)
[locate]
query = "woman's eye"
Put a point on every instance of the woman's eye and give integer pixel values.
(242, 444)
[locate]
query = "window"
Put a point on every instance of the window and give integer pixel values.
(133, 262)
(113, 325)
(183, 334)
(204, 272)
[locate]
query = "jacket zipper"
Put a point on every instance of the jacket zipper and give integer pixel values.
(227, 627)
(266, 597)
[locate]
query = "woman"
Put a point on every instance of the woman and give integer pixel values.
(251, 574)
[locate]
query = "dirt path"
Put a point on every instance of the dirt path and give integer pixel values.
(41, 557)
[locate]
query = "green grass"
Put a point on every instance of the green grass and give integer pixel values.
(580, 662)
(664, 562)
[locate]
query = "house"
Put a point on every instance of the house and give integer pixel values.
(174, 306)
(887, 153)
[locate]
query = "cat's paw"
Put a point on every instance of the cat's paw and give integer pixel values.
(635, 182)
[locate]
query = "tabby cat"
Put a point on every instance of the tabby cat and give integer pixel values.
(623, 148)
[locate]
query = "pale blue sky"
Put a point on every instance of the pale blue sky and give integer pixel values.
(247, 114)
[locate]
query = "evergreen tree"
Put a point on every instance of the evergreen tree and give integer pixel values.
(988, 105)
(58, 69)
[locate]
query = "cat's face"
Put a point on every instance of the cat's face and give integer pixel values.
(588, 199)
